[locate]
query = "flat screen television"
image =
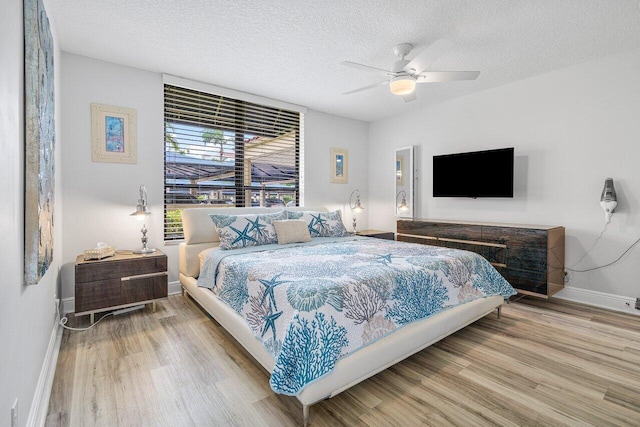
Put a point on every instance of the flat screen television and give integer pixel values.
(474, 174)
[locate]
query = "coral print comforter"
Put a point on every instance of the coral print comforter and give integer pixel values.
(311, 304)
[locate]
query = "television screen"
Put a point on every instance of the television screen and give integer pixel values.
(474, 174)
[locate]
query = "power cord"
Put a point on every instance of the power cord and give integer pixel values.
(593, 246)
(608, 264)
(63, 321)
(588, 251)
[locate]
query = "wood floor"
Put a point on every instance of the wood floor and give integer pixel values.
(543, 363)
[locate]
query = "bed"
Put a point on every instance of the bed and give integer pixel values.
(351, 360)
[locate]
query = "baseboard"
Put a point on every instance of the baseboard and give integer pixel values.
(69, 304)
(40, 403)
(598, 299)
(175, 288)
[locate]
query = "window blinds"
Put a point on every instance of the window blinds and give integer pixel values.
(224, 152)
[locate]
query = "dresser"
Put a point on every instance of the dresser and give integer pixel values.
(530, 257)
(120, 281)
(378, 234)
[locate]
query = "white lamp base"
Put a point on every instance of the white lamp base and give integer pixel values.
(144, 251)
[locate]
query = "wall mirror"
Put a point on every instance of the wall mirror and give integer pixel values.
(404, 182)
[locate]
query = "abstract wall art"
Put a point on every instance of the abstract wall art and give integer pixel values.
(39, 106)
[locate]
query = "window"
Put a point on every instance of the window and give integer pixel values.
(224, 152)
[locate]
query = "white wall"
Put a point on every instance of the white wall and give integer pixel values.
(100, 196)
(571, 129)
(27, 320)
(323, 131)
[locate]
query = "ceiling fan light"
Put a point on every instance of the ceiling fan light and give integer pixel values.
(402, 85)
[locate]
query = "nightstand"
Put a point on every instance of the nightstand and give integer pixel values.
(120, 281)
(388, 235)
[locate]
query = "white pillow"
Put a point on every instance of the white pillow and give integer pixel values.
(292, 231)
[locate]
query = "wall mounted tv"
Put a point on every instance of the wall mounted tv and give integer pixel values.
(474, 174)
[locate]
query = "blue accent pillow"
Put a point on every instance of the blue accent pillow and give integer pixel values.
(321, 224)
(241, 231)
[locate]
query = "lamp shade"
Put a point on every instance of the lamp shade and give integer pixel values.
(355, 206)
(402, 85)
(142, 208)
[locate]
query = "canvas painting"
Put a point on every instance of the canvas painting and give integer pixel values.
(39, 141)
(114, 134)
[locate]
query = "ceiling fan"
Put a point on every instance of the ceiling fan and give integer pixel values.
(404, 74)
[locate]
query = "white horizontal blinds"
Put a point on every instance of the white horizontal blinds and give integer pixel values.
(226, 152)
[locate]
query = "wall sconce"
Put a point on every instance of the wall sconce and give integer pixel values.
(142, 210)
(402, 206)
(356, 207)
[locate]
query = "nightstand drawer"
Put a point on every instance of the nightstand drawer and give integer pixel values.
(97, 294)
(92, 271)
(101, 294)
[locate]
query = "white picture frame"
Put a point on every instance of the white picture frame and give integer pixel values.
(339, 166)
(113, 134)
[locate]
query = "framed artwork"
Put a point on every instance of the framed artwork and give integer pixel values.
(339, 165)
(399, 171)
(39, 168)
(113, 134)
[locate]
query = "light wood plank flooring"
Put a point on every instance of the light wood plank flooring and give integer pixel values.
(544, 363)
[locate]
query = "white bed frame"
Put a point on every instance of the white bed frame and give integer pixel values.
(200, 235)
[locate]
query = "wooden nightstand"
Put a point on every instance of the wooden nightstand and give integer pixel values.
(120, 281)
(388, 235)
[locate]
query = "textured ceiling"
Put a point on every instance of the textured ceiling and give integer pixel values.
(291, 50)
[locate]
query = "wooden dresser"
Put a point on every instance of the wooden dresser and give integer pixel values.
(530, 257)
(123, 280)
(378, 234)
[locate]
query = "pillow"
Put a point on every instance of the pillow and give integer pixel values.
(241, 231)
(292, 231)
(321, 224)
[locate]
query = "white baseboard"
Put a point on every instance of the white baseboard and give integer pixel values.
(598, 299)
(69, 304)
(175, 288)
(40, 403)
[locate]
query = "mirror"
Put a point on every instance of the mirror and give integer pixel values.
(404, 182)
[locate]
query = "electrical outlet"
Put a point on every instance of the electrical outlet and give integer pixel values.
(637, 303)
(14, 414)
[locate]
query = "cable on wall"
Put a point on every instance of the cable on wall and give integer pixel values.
(588, 251)
(608, 264)
(573, 270)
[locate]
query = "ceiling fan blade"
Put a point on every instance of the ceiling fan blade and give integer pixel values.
(367, 87)
(446, 76)
(430, 54)
(409, 97)
(365, 67)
